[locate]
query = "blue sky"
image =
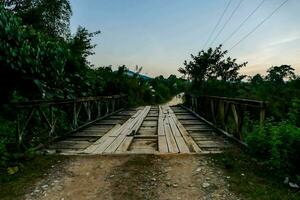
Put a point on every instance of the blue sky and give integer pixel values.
(160, 34)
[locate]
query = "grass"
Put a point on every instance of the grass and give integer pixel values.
(30, 171)
(251, 179)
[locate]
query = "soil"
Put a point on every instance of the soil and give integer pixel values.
(134, 177)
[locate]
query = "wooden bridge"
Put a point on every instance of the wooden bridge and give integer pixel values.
(104, 125)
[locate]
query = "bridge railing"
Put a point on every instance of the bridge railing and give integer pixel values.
(232, 116)
(41, 121)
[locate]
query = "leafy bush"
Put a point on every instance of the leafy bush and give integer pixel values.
(278, 144)
(7, 136)
(294, 112)
(29, 59)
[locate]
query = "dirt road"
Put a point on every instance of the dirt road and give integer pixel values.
(134, 177)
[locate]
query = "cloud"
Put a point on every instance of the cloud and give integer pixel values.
(285, 40)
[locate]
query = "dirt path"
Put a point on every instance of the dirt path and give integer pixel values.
(134, 177)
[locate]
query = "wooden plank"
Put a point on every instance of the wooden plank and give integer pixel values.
(133, 126)
(88, 139)
(182, 146)
(186, 117)
(88, 134)
(150, 123)
(70, 145)
(198, 128)
(114, 134)
(92, 148)
(212, 145)
(160, 126)
(142, 143)
(116, 117)
(124, 146)
(146, 136)
(195, 126)
(101, 148)
(109, 122)
(145, 133)
(172, 145)
(188, 139)
(143, 151)
(162, 144)
(147, 128)
(119, 137)
(97, 130)
(192, 122)
(150, 118)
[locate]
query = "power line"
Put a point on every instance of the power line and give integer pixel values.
(261, 23)
(230, 17)
(246, 19)
(219, 21)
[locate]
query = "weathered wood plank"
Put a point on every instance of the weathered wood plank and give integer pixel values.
(182, 146)
(124, 146)
(193, 147)
(70, 145)
(133, 127)
(92, 148)
(172, 145)
(162, 144)
(160, 126)
(88, 134)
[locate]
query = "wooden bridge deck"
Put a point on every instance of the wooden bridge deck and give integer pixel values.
(148, 130)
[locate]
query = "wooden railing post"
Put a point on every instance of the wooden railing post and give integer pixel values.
(113, 104)
(75, 119)
(262, 116)
(222, 113)
(107, 106)
(212, 111)
(52, 121)
(98, 108)
(18, 130)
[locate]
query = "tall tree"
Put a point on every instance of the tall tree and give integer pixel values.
(279, 74)
(50, 16)
(211, 64)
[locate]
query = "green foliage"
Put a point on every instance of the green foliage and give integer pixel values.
(294, 112)
(49, 16)
(278, 144)
(165, 89)
(278, 74)
(29, 59)
(211, 65)
(7, 137)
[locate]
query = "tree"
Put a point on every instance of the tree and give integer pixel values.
(211, 64)
(30, 60)
(279, 74)
(257, 79)
(50, 16)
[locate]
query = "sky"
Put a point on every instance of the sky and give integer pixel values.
(160, 34)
